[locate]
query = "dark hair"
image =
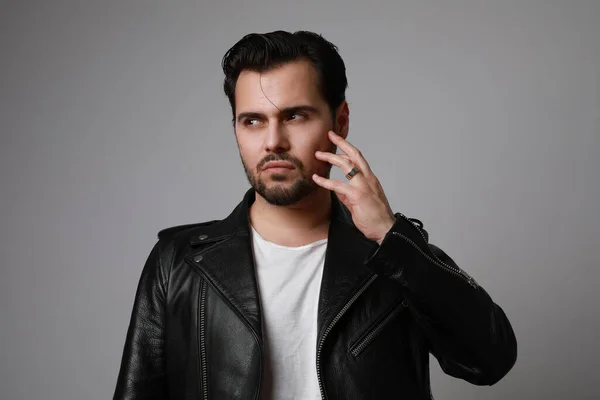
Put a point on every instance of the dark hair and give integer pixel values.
(261, 52)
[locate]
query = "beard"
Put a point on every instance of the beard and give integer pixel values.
(282, 189)
(284, 193)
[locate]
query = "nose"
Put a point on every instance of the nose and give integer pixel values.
(276, 139)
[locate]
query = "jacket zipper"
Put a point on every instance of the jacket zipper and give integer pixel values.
(203, 339)
(364, 343)
(453, 270)
(203, 289)
(330, 327)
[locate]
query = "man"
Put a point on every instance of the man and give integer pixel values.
(311, 288)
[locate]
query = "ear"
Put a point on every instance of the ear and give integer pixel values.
(342, 119)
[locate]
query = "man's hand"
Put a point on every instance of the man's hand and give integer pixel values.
(363, 194)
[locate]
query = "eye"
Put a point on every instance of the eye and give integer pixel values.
(251, 121)
(297, 117)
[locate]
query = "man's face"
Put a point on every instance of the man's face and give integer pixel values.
(281, 116)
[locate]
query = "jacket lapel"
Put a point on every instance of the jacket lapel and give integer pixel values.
(227, 262)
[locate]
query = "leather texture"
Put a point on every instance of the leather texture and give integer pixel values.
(195, 329)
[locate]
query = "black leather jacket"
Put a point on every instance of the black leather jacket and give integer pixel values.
(195, 330)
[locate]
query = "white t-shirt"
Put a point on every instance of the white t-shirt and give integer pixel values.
(289, 280)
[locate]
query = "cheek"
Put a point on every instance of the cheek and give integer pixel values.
(321, 166)
(325, 146)
(248, 152)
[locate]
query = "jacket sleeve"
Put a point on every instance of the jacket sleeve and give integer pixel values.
(142, 373)
(467, 332)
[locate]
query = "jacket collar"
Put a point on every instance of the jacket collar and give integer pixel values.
(229, 263)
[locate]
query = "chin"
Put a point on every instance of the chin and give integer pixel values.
(285, 192)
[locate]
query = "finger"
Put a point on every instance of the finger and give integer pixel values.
(332, 184)
(352, 152)
(339, 160)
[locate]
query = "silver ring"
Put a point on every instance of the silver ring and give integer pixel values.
(352, 172)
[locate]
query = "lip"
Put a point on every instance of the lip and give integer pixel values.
(279, 165)
(279, 170)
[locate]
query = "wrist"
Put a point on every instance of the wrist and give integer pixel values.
(385, 229)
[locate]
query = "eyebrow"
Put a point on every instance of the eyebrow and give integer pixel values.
(284, 111)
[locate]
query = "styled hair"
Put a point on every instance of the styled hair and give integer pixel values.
(261, 52)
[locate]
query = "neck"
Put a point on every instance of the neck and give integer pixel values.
(305, 221)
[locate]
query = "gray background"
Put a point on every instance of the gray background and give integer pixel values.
(480, 118)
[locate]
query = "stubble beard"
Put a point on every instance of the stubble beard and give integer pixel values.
(280, 191)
